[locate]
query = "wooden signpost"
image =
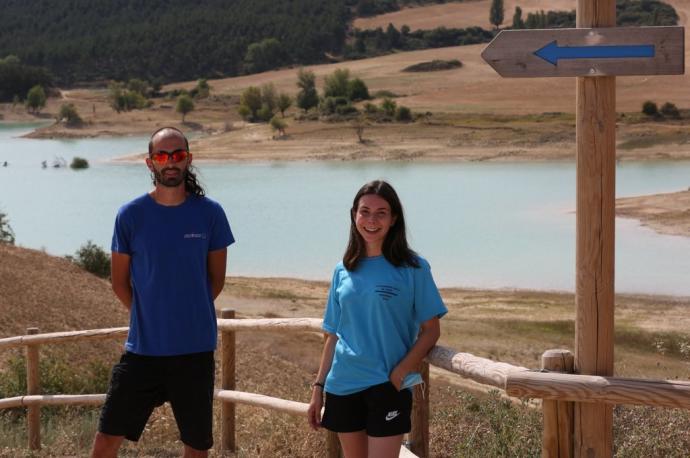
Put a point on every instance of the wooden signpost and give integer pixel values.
(595, 53)
(587, 52)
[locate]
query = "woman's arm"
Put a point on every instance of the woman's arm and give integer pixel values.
(429, 333)
(314, 411)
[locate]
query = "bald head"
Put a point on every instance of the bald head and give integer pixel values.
(166, 135)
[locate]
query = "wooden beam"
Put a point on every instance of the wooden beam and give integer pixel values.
(480, 370)
(260, 400)
(227, 357)
(595, 216)
(591, 389)
(271, 324)
(33, 386)
(557, 433)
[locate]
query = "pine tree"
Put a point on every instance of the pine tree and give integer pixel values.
(496, 13)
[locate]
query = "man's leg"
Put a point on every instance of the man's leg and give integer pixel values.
(106, 446)
(190, 391)
(190, 452)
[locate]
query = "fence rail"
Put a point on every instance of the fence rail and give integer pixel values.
(558, 388)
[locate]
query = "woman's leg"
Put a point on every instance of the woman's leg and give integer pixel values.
(354, 444)
(384, 447)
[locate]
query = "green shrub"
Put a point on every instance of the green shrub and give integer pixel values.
(403, 114)
(265, 113)
(388, 106)
(92, 258)
(79, 163)
(370, 108)
(6, 232)
(649, 108)
(68, 113)
(329, 105)
(434, 66)
(345, 109)
(357, 90)
(278, 125)
(35, 99)
(670, 110)
(383, 93)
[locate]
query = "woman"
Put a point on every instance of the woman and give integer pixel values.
(382, 318)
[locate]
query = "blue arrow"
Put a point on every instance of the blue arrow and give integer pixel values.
(552, 52)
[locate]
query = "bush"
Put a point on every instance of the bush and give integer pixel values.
(125, 99)
(68, 113)
(337, 83)
(357, 90)
(329, 105)
(278, 125)
(185, 104)
(79, 163)
(35, 99)
(403, 114)
(433, 66)
(6, 232)
(382, 94)
(92, 258)
(649, 108)
(388, 106)
(202, 89)
(370, 108)
(670, 110)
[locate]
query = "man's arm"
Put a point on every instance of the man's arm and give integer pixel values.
(119, 274)
(216, 270)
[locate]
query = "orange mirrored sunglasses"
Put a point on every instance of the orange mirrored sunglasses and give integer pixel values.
(161, 157)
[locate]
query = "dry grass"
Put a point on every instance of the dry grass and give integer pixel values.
(512, 326)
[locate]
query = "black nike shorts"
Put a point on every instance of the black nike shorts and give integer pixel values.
(140, 383)
(380, 410)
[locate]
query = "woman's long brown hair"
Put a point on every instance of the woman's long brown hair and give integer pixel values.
(395, 248)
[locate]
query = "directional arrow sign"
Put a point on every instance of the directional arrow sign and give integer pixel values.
(588, 52)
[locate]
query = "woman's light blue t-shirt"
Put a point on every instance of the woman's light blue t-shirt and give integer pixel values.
(376, 311)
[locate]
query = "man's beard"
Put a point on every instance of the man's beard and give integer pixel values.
(172, 181)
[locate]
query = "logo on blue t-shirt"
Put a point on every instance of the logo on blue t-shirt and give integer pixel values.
(386, 292)
(195, 236)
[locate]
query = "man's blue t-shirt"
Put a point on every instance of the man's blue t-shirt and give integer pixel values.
(172, 301)
(376, 311)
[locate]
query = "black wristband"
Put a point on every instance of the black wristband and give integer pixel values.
(317, 384)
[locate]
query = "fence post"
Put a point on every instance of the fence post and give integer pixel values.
(557, 439)
(227, 415)
(333, 449)
(33, 386)
(419, 436)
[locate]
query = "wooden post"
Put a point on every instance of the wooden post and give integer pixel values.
(557, 438)
(419, 436)
(33, 386)
(594, 289)
(333, 449)
(227, 415)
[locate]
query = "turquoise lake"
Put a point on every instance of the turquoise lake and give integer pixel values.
(483, 225)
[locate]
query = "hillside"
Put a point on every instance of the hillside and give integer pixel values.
(168, 40)
(53, 294)
(458, 15)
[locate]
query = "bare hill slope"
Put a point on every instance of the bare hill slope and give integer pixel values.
(53, 294)
(458, 15)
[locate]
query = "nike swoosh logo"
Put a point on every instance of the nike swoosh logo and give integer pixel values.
(392, 415)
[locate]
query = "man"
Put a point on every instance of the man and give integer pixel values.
(168, 265)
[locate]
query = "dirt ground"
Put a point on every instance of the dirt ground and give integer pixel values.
(665, 213)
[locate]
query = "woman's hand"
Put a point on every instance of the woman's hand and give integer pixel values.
(397, 376)
(314, 410)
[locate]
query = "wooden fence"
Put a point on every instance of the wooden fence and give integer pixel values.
(554, 383)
